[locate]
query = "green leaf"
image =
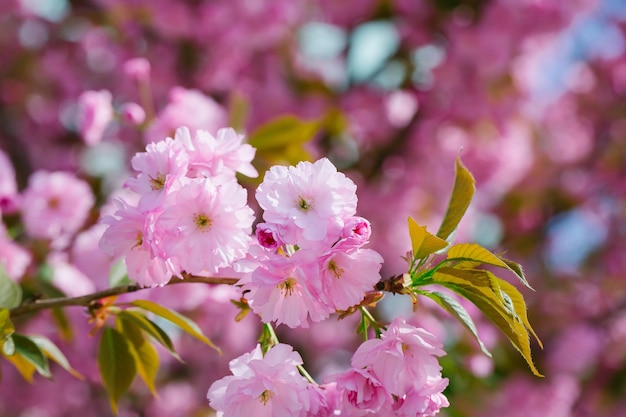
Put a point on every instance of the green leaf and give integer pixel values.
(118, 275)
(424, 243)
(462, 193)
(23, 366)
(151, 328)
(283, 132)
(498, 300)
(457, 311)
(10, 291)
(28, 349)
(471, 253)
(116, 363)
(181, 321)
(6, 326)
(146, 357)
(53, 352)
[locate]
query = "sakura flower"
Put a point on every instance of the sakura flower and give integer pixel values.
(188, 108)
(403, 359)
(362, 393)
(211, 156)
(346, 276)
(262, 386)
(356, 233)
(55, 205)
(67, 277)
(131, 235)
(426, 401)
(137, 69)
(206, 225)
(14, 259)
(94, 113)
(267, 235)
(159, 167)
(307, 202)
(132, 113)
(286, 290)
(8, 185)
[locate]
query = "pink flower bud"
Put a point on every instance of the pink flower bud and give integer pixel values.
(137, 68)
(132, 113)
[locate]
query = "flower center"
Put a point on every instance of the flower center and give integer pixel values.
(266, 396)
(138, 240)
(157, 183)
(203, 222)
(53, 203)
(287, 286)
(332, 267)
(304, 204)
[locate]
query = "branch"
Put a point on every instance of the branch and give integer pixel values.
(87, 300)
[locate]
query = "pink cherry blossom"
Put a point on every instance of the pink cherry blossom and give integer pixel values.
(158, 168)
(131, 235)
(94, 113)
(14, 259)
(224, 154)
(267, 235)
(137, 69)
(362, 393)
(403, 359)
(67, 277)
(264, 386)
(206, 225)
(307, 202)
(8, 185)
(55, 205)
(188, 108)
(346, 276)
(132, 113)
(286, 290)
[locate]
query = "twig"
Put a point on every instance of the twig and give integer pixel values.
(88, 299)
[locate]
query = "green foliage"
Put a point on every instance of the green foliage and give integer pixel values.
(54, 353)
(10, 291)
(185, 324)
(145, 355)
(116, 363)
(500, 301)
(462, 193)
(149, 327)
(28, 349)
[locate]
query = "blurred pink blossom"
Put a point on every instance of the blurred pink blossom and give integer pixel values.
(94, 112)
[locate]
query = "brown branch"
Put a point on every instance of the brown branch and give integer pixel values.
(88, 299)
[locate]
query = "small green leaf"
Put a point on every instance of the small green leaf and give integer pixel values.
(471, 253)
(181, 321)
(283, 132)
(424, 243)
(10, 291)
(28, 349)
(462, 193)
(117, 365)
(146, 357)
(457, 311)
(53, 352)
(151, 328)
(118, 275)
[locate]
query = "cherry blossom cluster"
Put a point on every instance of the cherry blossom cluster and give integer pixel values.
(191, 214)
(396, 375)
(313, 263)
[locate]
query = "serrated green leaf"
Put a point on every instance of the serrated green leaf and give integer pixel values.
(471, 253)
(151, 328)
(116, 364)
(53, 352)
(10, 291)
(28, 349)
(462, 193)
(519, 305)
(283, 131)
(146, 357)
(179, 320)
(517, 270)
(501, 306)
(457, 311)
(423, 243)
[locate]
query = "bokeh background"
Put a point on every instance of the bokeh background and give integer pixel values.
(530, 93)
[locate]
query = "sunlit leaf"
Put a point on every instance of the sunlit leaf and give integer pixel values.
(116, 363)
(151, 328)
(424, 243)
(453, 307)
(10, 291)
(6, 326)
(146, 357)
(179, 320)
(517, 270)
(23, 366)
(53, 352)
(471, 253)
(462, 193)
(519, 305)
(28, 349)
(495, 299)
(283, 132)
